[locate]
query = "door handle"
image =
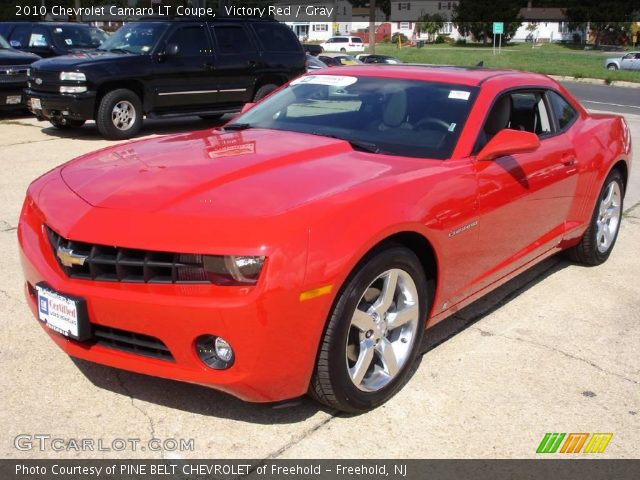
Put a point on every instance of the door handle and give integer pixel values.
(569, 161)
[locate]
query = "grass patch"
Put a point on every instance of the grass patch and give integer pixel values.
(550, 59)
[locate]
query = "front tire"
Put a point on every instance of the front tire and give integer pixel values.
(119, 115)
(263, 91)
(601, 235)
(374, 332)
(612, 66)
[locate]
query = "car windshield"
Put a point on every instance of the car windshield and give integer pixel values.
(382, 115)
(136, 38)
(73, 36)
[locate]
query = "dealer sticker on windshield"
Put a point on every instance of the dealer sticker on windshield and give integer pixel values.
(459, 94)
(333, 80)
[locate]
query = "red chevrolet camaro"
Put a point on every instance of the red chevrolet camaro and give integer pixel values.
(308, 244)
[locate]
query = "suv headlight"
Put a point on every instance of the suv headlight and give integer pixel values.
(28, 72)
(73, 76)
(64, 89)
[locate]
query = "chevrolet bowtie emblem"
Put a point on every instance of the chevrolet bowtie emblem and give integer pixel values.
(68, 258)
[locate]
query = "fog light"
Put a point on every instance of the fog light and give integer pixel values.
(215, 352)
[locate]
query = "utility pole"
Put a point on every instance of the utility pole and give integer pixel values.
(372, 26)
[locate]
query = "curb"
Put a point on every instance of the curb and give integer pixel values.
(596, 81)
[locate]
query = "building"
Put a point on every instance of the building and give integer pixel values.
(405, 14)
(544, 25)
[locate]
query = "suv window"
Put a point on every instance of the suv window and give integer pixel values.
(564, 113)
(341, 40)
(356, 40)
(38, 38)
(276, 38)
(191, 40)
(233, 39)
(20, 36)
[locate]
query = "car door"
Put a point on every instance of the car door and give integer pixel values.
(184, 79)
(636, 61)
(524, 199)
(627, 62)
(236, 62)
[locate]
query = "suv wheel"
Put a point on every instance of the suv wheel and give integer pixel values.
(66, 124)
(119, 115)
(263, 91)
(612, 66)
(343, 50)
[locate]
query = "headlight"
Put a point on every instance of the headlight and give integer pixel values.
(233, 270)
(220, 270)
(28, 72)
(73, 76)
(73, 89)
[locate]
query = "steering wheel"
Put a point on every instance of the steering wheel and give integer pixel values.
(431, 121)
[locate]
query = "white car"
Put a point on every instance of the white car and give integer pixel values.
(343, 44)
(631, 61)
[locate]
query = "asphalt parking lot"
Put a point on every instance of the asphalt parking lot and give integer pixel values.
(555, 350)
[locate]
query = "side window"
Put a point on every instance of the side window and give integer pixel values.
(191, 41)
(38, 38)
(529, 113)
(276, 38)
(20, 36)
(564, 113)
(233, 39)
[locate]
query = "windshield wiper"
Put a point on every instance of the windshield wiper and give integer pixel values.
(237, 126)
(361, 145)
(118, 50)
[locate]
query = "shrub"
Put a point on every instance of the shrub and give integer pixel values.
(439, 39)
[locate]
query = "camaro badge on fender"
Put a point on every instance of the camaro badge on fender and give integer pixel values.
(68, 258)
(464, 228)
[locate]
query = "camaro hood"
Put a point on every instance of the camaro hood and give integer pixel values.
(249, 173)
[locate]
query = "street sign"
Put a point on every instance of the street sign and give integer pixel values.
(498, 28)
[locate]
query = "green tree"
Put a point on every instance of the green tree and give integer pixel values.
(430, 24)
(600, 16)
(473, 17)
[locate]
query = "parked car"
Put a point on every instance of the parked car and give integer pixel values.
(630, 61)
(13, 75)
(165, 68)
(307, 244)
(50, 39)
(312, 48)
(338, 59)
(369, 58)
(314, 63)
(343, 44)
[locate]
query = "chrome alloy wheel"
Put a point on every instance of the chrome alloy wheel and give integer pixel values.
(123, 115)
(382, 330)
(608, 220)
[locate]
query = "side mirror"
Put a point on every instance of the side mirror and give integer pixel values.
(509, 142)
(247, 106)
(172, 50)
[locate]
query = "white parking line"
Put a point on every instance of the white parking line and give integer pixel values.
(611, 104)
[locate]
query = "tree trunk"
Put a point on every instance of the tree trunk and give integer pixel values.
(77, 3)
(372, 26)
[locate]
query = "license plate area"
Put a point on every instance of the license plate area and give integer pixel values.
(14, 100)
(64, 314)
(36, 104)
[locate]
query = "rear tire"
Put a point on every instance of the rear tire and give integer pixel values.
(119, 115)
(343, 50)
(601, 235)
(263, 91)
(67, 124)
(374, 332)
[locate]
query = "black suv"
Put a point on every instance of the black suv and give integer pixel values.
(50, 39)
(13, 75)
(165, 68)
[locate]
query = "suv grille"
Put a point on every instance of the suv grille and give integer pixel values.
(116, 264)
(13, 74)
(49, 81)
(131, 342)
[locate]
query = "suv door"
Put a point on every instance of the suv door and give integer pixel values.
(185, 80)
(236, 62)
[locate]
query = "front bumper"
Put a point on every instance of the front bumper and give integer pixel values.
(11, 91)
(57, 105)
(274, 335)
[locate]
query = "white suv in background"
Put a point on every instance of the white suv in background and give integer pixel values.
(343, 44)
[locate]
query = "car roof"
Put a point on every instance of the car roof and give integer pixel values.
(470, 76)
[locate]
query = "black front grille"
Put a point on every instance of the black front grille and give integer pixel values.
(13, 74)
(116, 264)
(131, 342)
(43, 81)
